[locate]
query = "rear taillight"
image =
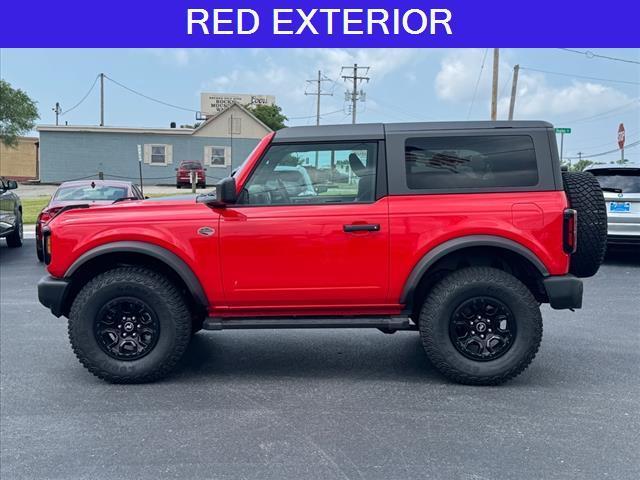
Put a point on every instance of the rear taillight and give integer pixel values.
(46, 245)
(47, 215)
(570, 230)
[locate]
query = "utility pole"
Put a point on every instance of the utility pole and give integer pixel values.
(58, 111)
(514, 89)
(354, 96)
(102, 99)
(318, 93)
(231, 140)
(494, 87)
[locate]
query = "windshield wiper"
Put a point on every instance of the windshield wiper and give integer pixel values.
(125, 198)
(611, 189)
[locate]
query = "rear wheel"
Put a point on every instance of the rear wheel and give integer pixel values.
(585, 196)
(129, 325)
(14, 239)
(480, 326)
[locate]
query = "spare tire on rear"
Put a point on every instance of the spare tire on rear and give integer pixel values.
(585, 196)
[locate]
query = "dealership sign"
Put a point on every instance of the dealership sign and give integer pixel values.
(212, 103)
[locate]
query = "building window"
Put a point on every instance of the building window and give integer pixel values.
(217, 156)
(235, 125)
(158, 154)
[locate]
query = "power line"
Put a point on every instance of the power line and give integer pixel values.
(95, 80)
(150, 98)
(589, 54)
(314, 116)
(571, 75)
(475, 90)
(605, 113)
(584, 155)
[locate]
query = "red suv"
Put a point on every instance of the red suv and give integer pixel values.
(184, 173)
(456, 230)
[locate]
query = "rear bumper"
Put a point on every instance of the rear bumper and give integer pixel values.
(623, 240)
(52, 293)
(564, 291)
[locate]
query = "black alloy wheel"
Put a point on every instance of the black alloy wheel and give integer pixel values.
(127, 328)
(482, 328)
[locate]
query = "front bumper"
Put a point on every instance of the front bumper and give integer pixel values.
(52, 293)
(564, 291)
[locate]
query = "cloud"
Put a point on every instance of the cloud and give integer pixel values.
(177, 56)
(456, 82)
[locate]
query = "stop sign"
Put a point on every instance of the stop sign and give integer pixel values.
(621, 136)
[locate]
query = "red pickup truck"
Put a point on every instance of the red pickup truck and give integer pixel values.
(458, 230)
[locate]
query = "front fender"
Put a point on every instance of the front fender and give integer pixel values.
(169, 258)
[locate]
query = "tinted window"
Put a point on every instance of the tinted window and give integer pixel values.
(313, 174)
(627, 181)
(470, 162)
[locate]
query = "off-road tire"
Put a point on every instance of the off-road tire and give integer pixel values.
(14, 239)
(452, 291)
(155, 290)
(585, 196)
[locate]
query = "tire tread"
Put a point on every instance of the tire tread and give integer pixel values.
(152, 280)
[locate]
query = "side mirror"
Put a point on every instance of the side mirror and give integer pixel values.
(225, 194)
(12, 184)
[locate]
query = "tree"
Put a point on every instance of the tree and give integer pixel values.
(580, 165)
(18, 114)
(270, 115)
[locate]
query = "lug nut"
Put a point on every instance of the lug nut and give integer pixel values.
(133, 334)
(489, 329)
(481, 336)
(124, 334)
(119, 326)
(472, 332)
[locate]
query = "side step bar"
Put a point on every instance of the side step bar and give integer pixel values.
(386, 324)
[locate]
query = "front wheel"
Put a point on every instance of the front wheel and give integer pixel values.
(129, 325)
(480, 326)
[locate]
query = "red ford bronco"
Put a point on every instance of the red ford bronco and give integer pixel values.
(457, 230)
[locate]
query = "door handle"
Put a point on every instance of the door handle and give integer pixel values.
(361, 227)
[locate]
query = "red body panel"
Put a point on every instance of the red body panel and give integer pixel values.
(422, 222)
(298, 260)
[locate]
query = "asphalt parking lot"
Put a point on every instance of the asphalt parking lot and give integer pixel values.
(324, 404)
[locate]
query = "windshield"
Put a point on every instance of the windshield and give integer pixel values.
(626, 180)
(86, 192)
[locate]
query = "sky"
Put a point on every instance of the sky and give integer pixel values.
(405, 85)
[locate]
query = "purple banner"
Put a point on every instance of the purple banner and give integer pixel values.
(319, 23)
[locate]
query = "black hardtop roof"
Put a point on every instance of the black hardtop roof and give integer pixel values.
(376, 131)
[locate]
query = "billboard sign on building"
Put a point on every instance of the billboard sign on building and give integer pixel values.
(212, 103)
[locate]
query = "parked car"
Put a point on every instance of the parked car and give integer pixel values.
(183, 174)
(91, 192)
(621, 185)
(10, 214)
(457, 230)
